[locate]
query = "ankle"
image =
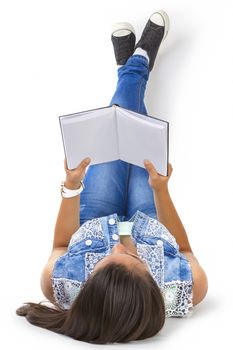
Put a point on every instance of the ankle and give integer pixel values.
(141, 52)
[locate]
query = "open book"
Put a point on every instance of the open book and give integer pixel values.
(112, 133)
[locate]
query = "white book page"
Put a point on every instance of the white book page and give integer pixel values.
(85, 114)
(151, 119)
(91, 135)
(141, 139)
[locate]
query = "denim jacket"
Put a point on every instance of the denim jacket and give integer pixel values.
(155, 245)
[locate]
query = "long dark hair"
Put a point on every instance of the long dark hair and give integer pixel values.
(116, 304)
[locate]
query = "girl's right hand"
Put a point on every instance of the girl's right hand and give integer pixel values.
(156, 181)
(74, 176)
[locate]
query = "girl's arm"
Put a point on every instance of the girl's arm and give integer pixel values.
(68, 219)
(67, 223)
(168, 216)
(166, 211)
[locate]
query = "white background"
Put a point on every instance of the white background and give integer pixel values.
(57, 58)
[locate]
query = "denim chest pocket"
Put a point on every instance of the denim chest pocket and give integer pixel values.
(79, 262)
(169, 249)
(155, 231)
(90, 236)
(87, 245)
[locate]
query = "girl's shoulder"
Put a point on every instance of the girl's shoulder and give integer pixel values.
(200, 281)
(45, 280)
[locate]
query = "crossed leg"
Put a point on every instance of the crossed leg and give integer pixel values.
(117, 186)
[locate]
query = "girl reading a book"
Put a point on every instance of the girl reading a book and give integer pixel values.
(121, 261)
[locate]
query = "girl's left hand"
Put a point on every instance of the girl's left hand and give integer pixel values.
(74, 176)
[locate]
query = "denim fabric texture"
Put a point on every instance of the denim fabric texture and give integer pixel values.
(119, 191)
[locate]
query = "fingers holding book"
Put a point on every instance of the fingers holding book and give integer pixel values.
(74, 176)
(157, 181)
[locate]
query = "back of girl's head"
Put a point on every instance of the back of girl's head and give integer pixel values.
(116, 304)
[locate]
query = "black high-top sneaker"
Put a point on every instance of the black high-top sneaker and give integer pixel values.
(154, 33)
(123, 39)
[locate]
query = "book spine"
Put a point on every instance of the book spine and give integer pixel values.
(167, 146)
(116, 121)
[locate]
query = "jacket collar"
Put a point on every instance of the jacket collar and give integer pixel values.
(140, 222)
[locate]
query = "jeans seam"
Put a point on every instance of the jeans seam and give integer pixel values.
(127, 183)
(139, 95)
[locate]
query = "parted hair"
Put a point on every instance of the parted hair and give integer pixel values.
(115, 305)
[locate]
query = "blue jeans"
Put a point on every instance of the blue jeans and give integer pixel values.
(117, 186)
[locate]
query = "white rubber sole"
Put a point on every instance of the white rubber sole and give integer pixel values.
(166, 21)
(121, 27)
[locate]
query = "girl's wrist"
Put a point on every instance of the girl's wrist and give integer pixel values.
(72, 185)
(161, 189)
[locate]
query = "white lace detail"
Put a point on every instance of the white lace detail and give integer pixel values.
(156, 229)
(154, 258)
(178, 298)
(65, 291)
(90, 260)
(177, 294)
(90, 229)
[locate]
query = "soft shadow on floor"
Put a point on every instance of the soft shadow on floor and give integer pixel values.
(207, 306)
(173, 324)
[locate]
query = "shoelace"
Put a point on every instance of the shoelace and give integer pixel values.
(151, 37)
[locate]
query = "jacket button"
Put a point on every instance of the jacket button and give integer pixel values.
(111, 221)
(159, 243)
(88, 242)
(115, 237)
